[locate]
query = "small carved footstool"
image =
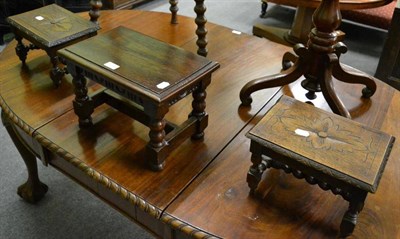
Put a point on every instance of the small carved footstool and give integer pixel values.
(50, 28)
(336, 153)
(143, 78)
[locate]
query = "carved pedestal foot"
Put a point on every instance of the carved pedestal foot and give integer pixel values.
(367, 92)
(284, 78)
(32, 192)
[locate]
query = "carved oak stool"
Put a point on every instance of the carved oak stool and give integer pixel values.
(336, 153)
(143, 77)
(50, 28)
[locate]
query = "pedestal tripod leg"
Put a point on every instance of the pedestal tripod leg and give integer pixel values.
(280, 79)
(32, 190)
(354, 78)
(328, 89)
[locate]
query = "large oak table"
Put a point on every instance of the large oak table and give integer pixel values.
(202, 191)
(302, 22)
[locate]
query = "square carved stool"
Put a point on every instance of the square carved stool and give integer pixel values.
(334, 152)
(50, 28)
(143, 78)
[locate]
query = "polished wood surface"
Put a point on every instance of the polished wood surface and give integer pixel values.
(202, 191)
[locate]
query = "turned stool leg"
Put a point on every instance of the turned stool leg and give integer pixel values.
(83, 104)
(157, 142)
(94, 12)
(201, 31)
(349, 220)
(174, 9)
(56, 72)
(21, 50)
(255, 172)
(32, 190)
(199, 106)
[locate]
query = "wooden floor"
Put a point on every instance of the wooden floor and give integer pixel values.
(202, 191)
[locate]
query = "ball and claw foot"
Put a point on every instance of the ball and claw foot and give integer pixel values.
(367, 92)
(32, 194)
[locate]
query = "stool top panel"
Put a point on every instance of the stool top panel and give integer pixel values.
(137, 61)
(336, 145)
(52, 25)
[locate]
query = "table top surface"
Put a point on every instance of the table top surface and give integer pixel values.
(137, 61)
(52, 25)
(352, 152)
(202, 190)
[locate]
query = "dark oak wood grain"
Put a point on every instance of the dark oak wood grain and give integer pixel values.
(202, 191)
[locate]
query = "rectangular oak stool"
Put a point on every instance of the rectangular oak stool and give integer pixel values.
(143, 77)
(50, 28)
(334, 152)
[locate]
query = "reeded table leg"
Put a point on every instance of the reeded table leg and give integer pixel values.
(32, 190)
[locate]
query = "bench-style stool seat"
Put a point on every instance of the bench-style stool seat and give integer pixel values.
(143, 78)
(334, 152)
(50, 28)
